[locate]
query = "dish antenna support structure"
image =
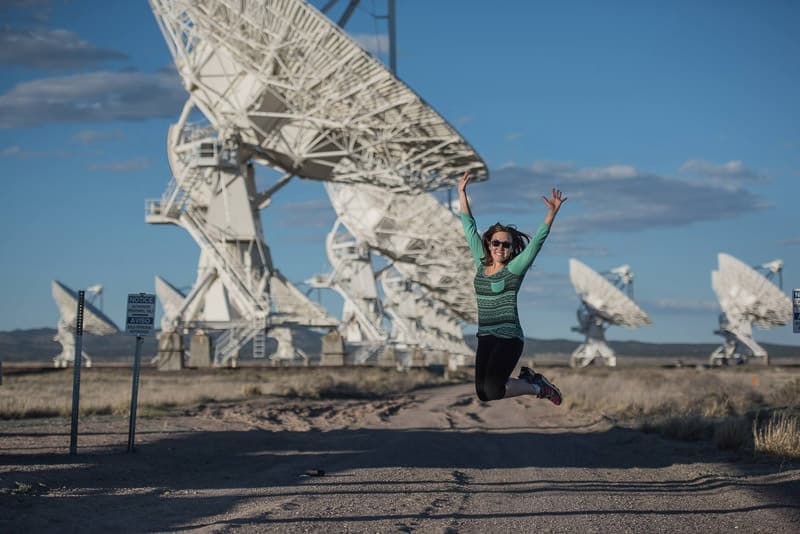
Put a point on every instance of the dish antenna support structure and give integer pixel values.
(282, 86)
(238, 289)
(424, 294)
(94, 322)
(747, 297)
(603, 303)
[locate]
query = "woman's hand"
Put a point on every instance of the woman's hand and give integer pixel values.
(463, 181)
(554, 202)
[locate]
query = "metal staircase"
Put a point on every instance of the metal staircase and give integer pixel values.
(232, 340)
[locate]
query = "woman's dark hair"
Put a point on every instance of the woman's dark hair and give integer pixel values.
(519, 240)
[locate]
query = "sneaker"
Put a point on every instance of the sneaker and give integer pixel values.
(547, 390)
(527, 374)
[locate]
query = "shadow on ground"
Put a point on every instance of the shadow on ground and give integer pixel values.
(159, 483)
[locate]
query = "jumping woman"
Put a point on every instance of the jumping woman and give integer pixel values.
(503, 256)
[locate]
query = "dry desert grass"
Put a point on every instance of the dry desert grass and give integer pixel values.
(752, 408)
(749, 409)
(108, 390)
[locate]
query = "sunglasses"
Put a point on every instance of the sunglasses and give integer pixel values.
(504, 244)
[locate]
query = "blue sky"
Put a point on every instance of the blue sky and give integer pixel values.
(672, 126)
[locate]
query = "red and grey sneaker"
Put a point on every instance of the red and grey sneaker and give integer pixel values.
(547, 390)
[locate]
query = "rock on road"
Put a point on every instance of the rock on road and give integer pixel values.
(436, 460)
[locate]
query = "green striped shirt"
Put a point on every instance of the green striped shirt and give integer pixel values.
(497, 293)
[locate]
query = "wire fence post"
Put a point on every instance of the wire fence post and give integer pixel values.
(76, 375)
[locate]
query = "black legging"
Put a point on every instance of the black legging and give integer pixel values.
(494, 362)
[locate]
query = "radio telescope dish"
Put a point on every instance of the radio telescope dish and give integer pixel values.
(423, 242)
(94, 322)
(602, 304)
(283, 86)
(421, 237)
(747, 298)
(304, 97)
(171, 299)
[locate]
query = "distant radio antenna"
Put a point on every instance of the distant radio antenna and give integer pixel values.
(603, 303)
(747, 298)
(94, 322)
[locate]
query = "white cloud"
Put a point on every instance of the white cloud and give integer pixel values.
(51, 49)
(130, 165)
(11, 151)
(513, 136)
(372, 43)
(93, 97)
(565, 245)
(18, 152)
(732, 174)
(88, 137)
(618, 198)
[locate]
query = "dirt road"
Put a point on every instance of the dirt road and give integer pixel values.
(436, 460)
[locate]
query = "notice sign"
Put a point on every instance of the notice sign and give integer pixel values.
(141, 314)
(796, 309)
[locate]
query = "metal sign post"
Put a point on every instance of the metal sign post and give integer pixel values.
(76, 376)
(137, 362)
(796, 310)
(139, 322)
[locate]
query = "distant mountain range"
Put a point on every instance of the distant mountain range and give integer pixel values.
(37, 345)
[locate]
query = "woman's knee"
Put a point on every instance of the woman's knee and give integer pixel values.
(489, 391)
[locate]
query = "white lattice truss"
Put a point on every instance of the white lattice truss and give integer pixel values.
(306, 98)
(419, 316)
(421, 237)
(353, 279)
(431, 263)
(213, 197)
(420, 320)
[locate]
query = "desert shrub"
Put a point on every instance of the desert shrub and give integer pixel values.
(788, 395)
(251, 390)
(733, 434)
(690, 427)
(778, 436)
(717, 404)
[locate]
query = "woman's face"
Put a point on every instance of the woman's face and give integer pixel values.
(500, 247)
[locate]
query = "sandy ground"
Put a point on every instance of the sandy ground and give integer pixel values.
(436, 460)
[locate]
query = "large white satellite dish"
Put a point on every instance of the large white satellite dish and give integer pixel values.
(94, 322)
(304, 97)
(422, 238)
(747, 298)
(602, 304)
(283, 86)
(423, 243)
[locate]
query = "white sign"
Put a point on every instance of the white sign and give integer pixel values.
(796, 310)
(141, 314)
